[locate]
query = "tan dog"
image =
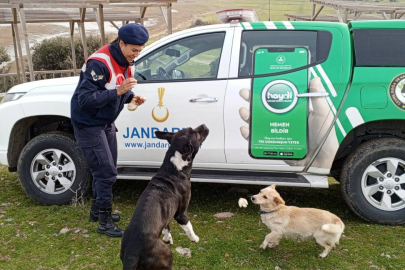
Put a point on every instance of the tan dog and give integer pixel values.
(293, 222)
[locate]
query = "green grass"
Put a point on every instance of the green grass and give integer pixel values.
(30, 239)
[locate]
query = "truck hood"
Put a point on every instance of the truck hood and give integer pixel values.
(27, 87)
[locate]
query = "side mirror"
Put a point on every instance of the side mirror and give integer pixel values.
(178, 74)
(172, 52)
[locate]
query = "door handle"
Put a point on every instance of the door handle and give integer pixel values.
(322, 94)
(204, 99)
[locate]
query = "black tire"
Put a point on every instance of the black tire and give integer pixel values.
(352, 176)
(63, 142)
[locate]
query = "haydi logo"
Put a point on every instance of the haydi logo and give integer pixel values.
(279, 96)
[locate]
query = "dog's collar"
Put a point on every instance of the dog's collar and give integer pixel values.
(261, 212)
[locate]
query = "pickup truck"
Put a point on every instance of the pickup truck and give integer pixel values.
(355, 115)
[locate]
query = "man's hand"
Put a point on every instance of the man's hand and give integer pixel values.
(135, 102)
(126, 85)
(138, 100)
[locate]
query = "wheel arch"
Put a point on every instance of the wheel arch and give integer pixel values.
(363, 133)
(28, 128)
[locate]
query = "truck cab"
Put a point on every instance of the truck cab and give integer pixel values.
(354, 120)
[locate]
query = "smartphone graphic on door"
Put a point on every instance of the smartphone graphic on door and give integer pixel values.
(278, 122)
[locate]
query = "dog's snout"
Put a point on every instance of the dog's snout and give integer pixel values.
(203, 132)
(252, 198)
(202, 129)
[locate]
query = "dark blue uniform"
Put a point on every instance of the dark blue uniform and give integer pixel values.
(93, 112)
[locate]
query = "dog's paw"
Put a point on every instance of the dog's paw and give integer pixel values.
(194, 238)
(243, 203)
(263, 245)
(167, 237)
(168, 240)
(323, 255)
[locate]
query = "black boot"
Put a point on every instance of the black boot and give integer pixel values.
(94, 213)
(106, 225)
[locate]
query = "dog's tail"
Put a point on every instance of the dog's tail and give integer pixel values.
(336, 228)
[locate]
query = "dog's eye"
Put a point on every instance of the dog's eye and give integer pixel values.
(265, 197)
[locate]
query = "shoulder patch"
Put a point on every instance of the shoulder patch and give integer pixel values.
(95, 76)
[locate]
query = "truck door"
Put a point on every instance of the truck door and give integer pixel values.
(326, 73)
(184, 82)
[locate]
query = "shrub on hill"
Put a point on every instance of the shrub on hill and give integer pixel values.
(4, 57)
(56, 54)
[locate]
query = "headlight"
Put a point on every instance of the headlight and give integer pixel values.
(12, 97)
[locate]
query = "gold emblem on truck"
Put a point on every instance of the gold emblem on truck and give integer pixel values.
(160, 113)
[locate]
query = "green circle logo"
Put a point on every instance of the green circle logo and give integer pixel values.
(280, 59)
(397, 91)
(279, 96)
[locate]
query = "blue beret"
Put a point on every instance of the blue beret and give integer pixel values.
(133, 33)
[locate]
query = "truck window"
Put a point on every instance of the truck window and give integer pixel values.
(317, 42)
(379, 47)
(195, 57)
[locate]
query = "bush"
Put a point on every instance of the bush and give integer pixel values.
(52, 54)
(7, 82)
(4, 57)
(56, 54)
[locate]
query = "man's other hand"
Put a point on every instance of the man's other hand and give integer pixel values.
(126, 85)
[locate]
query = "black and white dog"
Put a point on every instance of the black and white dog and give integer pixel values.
(167, 196)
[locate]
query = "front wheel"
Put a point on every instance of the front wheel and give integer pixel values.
(52, 170)
(373, 181)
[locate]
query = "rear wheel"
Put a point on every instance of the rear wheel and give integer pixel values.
(373, 181)
(52, 169)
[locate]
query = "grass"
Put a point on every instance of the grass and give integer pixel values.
(30, 239)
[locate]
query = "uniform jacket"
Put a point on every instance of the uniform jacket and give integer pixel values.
(95, 101)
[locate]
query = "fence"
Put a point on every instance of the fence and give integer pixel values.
(10, 79)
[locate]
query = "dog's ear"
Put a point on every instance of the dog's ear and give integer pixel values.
(273, 186)
(278, 200)
(164, 135)
(188, 152)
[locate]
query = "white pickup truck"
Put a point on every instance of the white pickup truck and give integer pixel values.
(354, 122)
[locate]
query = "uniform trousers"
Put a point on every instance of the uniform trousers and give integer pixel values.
(99, 147)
